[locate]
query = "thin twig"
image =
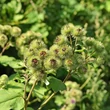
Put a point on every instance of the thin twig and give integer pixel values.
(33, 5)
(29, 95)
(86, 82)
(33, 101)
(53, 94)
(47, 100)
(74, 46)
(25, 88)
(25, 96)
(67, 77)
(4, 48)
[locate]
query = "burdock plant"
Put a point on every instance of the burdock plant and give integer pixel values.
(71, 51)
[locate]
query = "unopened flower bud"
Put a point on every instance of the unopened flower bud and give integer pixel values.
(67, 29)
(100, 61)
(52, 62)
(21, 40)
(28, 52)
(33, 62)
(3, 80)
(7, 29)
(42, 53)
(70, 84)
(37, 75)
(4, 77)
(78, 31)
(77, 94)
(89, 41)
(15, 32)
(65, 51)
(60, 39)
(1, 28)
(30, 34)
(37, 44)
(54, 50)
(68, 63)
(3, 40)
(99, 47)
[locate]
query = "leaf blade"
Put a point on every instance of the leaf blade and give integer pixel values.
(56, 84)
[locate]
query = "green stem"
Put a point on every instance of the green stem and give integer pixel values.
(71, 43)
(25, 106)
(86, 82)
(74, 46)
(66, 78)
(29, 95)
(88, 57)
(29, 103)
(53, 94)
(25, 89)
(33, 5)
(47, 100)
(4, 48)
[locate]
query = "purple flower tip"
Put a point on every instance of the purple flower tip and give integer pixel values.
(73, 101)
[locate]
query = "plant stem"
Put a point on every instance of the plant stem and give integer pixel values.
(29, 95)
(25, 106)
(47, 100)
(29, 103)
(66, 78)
(4, 48)
(33, 5)
(25, 89)
(88, 57)
(51, 96)
(26, 81)
(74, 46)
(85, 83)
(71, 43)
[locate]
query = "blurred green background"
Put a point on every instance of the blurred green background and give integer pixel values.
(48, 16)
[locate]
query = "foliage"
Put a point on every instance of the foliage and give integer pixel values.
(55, 52)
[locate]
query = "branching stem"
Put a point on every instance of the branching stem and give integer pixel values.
(53, 94)
(29, 95)
(66, 78)
(47, 100)
(4, 48)
(86, 82)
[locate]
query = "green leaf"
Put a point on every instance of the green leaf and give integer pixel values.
(29, 108)
(15, 86)
(61, 72)
(11, 61)
(32, 17)
(39, 91)
(18, 7)
(18, 17)
(106, 108)
(107, 4)
(59, 100)
(10, 100)
(83, 107)
(56, 84)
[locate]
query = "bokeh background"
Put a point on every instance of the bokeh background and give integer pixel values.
(48, 16)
